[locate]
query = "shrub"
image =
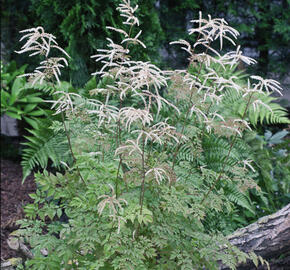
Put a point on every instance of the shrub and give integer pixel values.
(154, 155)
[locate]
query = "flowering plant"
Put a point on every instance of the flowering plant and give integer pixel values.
(163, 155)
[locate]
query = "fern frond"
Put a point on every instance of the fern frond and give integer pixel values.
(46, 88)
(239, 198)
(216, 154)
(277, 115)
(44, 144)
(234, 105)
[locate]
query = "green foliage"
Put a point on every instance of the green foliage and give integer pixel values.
(268, 113)
(272, 159)
(151, 240)
(18, 100)
(79, 27)
(151, 177)
(43, 144)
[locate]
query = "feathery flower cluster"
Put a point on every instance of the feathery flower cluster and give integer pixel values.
(114, 205)
(39, 42)
(42, 43)
(64, 102)
(213, 29)
(158, 173)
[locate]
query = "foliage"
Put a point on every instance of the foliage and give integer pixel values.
(17, 99)
(271, 155)
(43, 145)
(155, 155)
(78, 26)
(25, 101)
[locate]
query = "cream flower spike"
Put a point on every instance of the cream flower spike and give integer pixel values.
(158, 173)
(65, 102)
(268, 84)
(135, 40)
(128, 12)
(234, 57)
(131, 115)
(47, 41)
(213, 29)
(117, 30)
(113, 202)
(42, 43)
(184, 45)
(131, 146)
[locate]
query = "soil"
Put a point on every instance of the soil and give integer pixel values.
(14, 195)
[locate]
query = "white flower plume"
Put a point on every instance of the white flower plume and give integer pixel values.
(268, 84)
(158, 173)
(65, 102)
(213, 29)
(129, 115)
(113, 203)
(42, 43)
(128, 12)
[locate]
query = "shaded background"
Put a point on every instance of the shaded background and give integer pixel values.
(79, 26)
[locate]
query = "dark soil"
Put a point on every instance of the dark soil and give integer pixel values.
(14, 195)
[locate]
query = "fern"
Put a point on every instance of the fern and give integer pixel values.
(44, 144)
(234, 105)
(216, 151)
(277, 115)
(236, 196)
(44, 87)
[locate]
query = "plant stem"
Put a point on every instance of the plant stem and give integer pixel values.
(119, 130)
(188, 110)
(143, 175)
(70, 146)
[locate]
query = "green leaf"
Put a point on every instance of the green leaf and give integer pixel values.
(16, 89)
(31, 122)
(33, 196)
(58, 212)
(31, 99)
(14, 115)
(39, 112)
(91, 84)
(29, 107)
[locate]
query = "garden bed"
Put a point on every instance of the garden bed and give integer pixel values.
(14, 195)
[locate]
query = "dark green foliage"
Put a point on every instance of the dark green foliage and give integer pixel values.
(267, 30)
(270, 153)
(80, 26)
(18, 99)
(264, 27)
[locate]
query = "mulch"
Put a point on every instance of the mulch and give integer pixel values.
(14, 195)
